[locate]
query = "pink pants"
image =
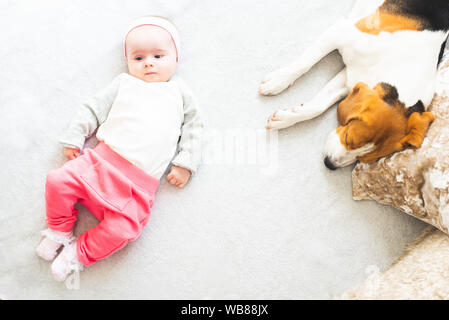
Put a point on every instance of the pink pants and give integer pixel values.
(115, 191)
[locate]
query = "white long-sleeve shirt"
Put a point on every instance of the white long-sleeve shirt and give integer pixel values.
(142, 121)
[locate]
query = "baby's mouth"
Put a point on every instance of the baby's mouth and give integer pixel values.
(149, 73)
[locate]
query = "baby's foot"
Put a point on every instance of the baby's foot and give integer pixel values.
(52, 241)
(66, 262)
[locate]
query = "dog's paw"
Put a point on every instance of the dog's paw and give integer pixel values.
(282, 119)
(276, 82)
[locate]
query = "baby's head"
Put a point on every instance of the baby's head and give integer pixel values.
(152, 49)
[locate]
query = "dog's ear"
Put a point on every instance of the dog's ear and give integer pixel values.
(349, 108)
(383, 150)
(418, 107)
(388, 93)
(358, 134)
(418, 124)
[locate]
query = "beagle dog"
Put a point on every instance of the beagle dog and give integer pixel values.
(391, 50)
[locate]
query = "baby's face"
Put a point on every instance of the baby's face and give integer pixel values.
(151, 54)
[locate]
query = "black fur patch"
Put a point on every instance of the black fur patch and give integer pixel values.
(418, 107)
(440, 57)
(391, 93)
(433, 14)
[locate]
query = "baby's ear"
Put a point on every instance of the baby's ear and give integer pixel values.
(418, 124)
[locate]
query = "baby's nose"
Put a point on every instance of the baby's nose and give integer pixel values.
(149, 62)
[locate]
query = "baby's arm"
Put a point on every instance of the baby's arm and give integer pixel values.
(91, 115)
(188, 158)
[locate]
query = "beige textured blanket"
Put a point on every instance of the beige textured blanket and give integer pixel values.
(415, 181)
(422, 272)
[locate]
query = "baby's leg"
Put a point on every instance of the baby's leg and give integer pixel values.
(112, 233)
(52, 241)
(62, 190)
(66, 262)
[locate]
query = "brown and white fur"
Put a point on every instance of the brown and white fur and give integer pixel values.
(391, 58)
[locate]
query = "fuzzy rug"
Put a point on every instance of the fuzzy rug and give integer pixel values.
(271, 227)
(421, 273)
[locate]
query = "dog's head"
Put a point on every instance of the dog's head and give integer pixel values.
(374, 124)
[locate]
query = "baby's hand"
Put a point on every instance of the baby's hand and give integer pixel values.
(178, 176)
(71, 153)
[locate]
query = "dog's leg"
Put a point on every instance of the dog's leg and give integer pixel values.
(333, 92)
(279, 80)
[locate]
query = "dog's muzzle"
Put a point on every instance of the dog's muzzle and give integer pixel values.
(329, 164)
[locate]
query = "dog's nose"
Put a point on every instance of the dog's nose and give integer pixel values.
(329, 164)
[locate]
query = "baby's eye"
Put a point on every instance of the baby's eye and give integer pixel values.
(158, 56)
(139, 58)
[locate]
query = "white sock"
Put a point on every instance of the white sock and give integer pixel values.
(52, 241)
(66, 262)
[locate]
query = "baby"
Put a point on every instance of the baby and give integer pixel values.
(141, 116)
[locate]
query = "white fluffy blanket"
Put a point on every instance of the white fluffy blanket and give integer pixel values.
(234, 232)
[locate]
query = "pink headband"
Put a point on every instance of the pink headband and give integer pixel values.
(159, 22)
